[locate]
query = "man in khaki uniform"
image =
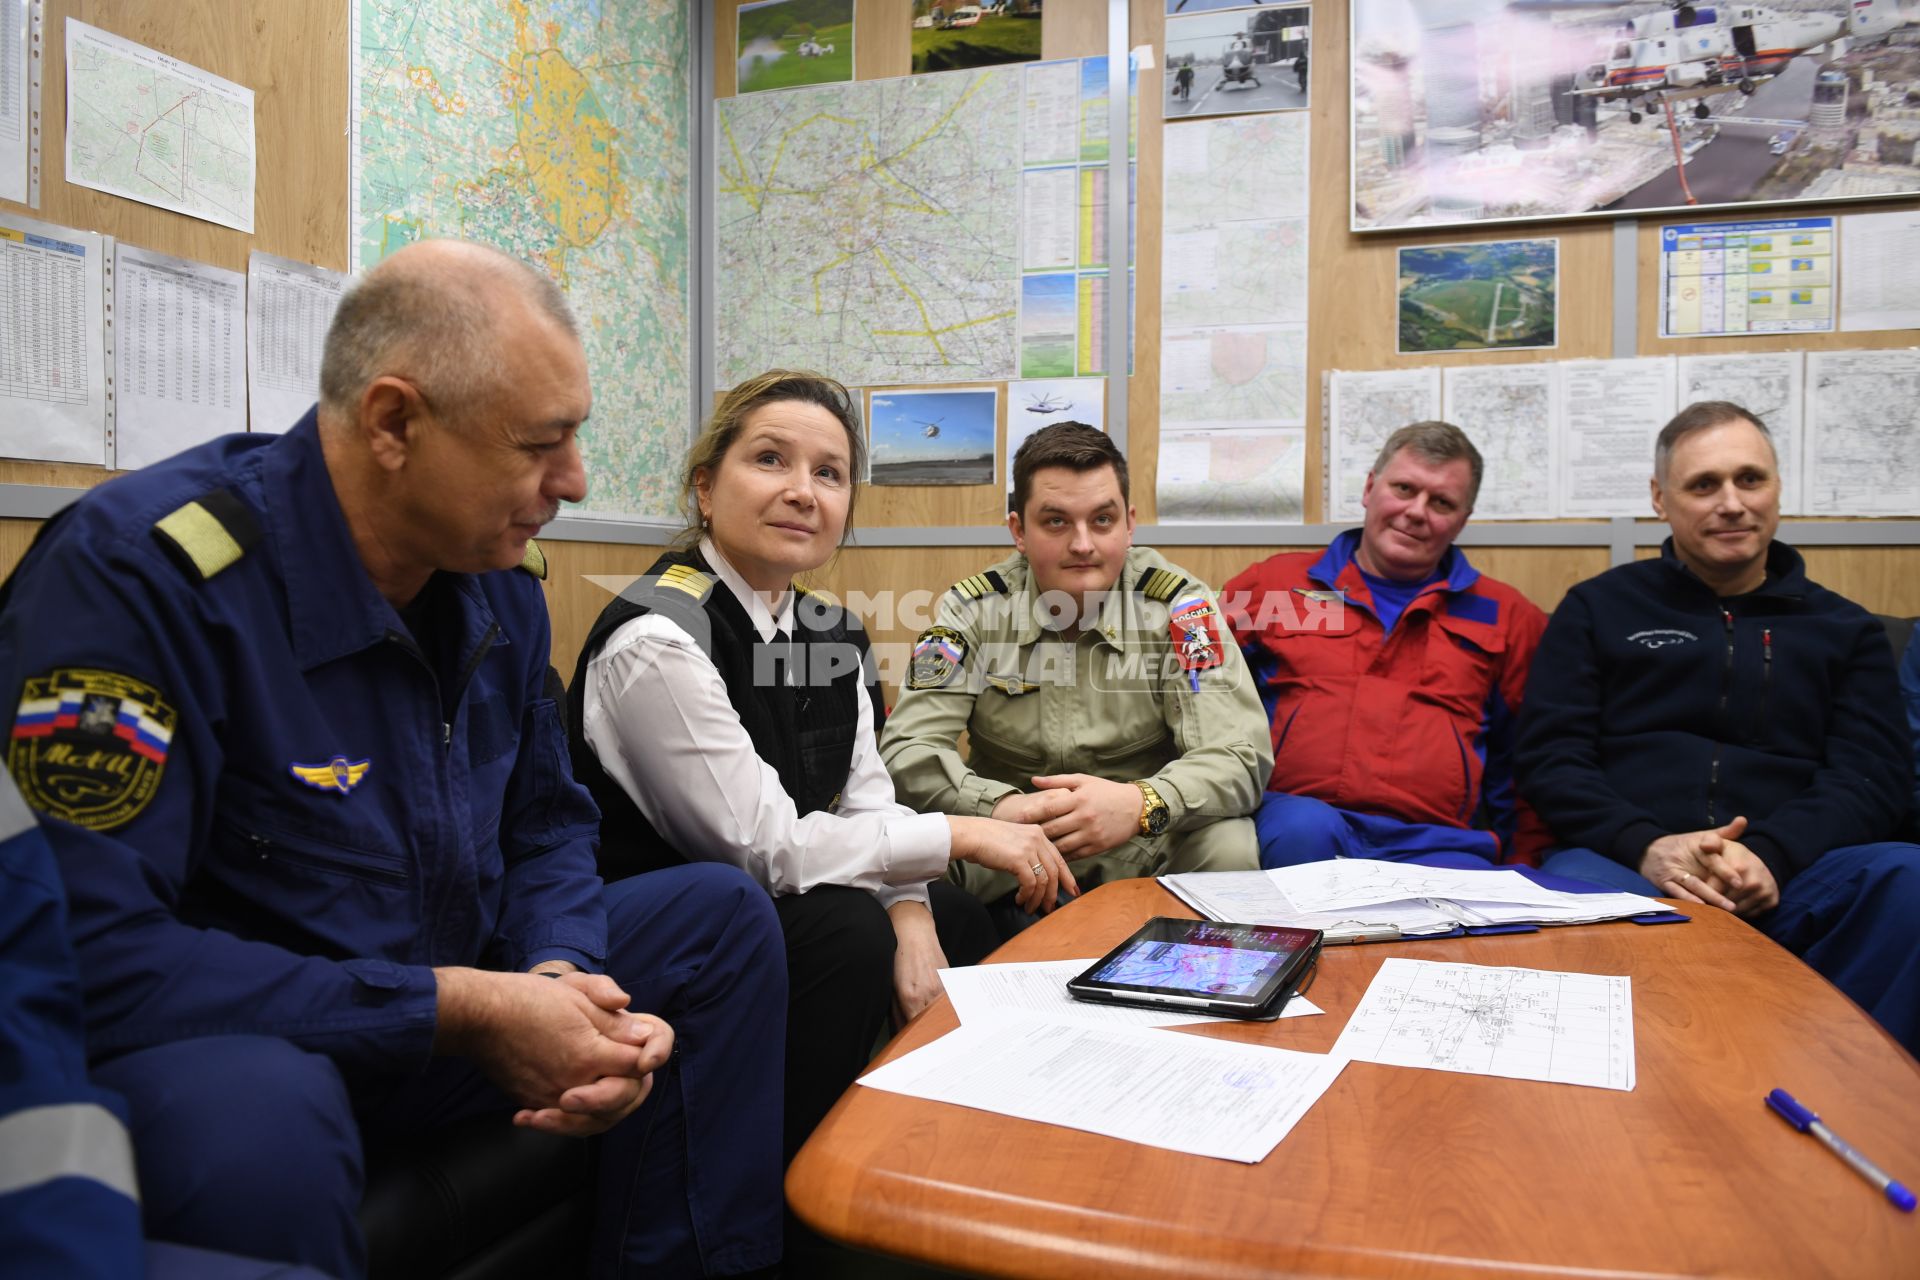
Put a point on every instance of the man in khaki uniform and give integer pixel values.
(1099, 694)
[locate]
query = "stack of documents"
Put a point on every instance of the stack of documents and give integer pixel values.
(1364, 900)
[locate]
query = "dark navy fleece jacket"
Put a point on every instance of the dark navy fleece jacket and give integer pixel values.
(1655, 707)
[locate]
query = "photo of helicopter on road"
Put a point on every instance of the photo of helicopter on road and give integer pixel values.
(1469, 111)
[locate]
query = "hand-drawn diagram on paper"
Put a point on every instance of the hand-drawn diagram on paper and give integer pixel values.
(1525, 1024)
(1862, 451)
(1363, 410)
(866, 229)
(1507, 411)
(1766, 383)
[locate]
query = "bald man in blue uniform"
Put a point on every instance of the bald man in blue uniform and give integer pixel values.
(283, 709)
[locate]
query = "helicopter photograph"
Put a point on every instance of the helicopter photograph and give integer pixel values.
(933, 437)
(1474, 111)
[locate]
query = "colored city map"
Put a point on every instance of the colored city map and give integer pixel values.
(865, 230)
(556, 130)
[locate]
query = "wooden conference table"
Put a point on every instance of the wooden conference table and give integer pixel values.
(1405, 1172)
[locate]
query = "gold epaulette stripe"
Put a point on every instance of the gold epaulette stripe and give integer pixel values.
(1161, 584)
(200, 536)
(684, 577)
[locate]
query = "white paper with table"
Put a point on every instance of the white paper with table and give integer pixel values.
(1166, 1089)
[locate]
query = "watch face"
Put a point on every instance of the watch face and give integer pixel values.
(1157, 819)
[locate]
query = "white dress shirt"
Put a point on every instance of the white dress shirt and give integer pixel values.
(658, 717)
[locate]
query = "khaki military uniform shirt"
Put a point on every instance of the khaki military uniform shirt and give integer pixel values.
(1155, 690)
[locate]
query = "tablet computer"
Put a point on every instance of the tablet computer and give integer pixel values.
(1203, 966)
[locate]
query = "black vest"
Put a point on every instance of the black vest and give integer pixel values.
(803, 727)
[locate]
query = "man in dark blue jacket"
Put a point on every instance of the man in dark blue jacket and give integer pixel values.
(1714, 727)
(283, 710)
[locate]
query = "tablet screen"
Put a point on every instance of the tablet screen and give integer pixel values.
(1183, 966)
(1236, 968)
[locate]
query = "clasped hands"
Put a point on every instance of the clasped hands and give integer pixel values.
(566, 1050)
(1714, 868)
(1082, 815)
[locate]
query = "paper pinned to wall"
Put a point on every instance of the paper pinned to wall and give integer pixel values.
(1610, 413)
(1363, 409)
(53, 366)
(1863, 433)
(180, 363)
(149, 127)
(289, 306)
(1767, 384)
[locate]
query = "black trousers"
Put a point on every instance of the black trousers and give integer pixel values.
(840, 985)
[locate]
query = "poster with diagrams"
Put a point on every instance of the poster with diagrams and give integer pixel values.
(1862, 453)
(1766, 384)
(1233, 346)
(1064, 267)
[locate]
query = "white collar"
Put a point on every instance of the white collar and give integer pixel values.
(765, 622)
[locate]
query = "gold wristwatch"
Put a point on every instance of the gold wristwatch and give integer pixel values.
(1154, 814)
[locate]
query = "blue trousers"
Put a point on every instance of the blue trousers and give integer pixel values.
(1296, 829)
(1851, 915)
(251, 1145)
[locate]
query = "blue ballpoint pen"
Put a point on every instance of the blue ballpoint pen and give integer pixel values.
(1806, 1122)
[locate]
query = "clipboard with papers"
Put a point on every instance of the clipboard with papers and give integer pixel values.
(1365, 900)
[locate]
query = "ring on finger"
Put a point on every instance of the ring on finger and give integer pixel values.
(1036, 868)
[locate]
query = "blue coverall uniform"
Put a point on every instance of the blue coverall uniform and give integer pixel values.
(69, 1200)
(275, 812)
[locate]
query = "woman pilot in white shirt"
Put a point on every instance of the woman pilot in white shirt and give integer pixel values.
(719, 714)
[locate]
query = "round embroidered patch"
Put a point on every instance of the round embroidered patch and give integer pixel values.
(89, 746)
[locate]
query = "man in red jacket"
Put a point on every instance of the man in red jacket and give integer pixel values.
(1392, 673)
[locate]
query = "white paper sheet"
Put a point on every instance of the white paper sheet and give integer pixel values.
(149, 127)
(1611, 411)
(289, 306)
(179, 354)
(1863, 433)
(1508, 412)
(1364, 408)
(1165, 1089)
(1525, 1024)
(1230, 473)
(1037, 989)
(1880, 270)
(53, 363)
(14, 123)
(1767, 383)
(1049, 219)
(1050, 114)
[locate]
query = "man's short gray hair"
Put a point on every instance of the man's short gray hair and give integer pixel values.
(1698, 416)
(433, 325)
(1435, 443)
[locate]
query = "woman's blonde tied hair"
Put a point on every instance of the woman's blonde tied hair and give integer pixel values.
(729, 418)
